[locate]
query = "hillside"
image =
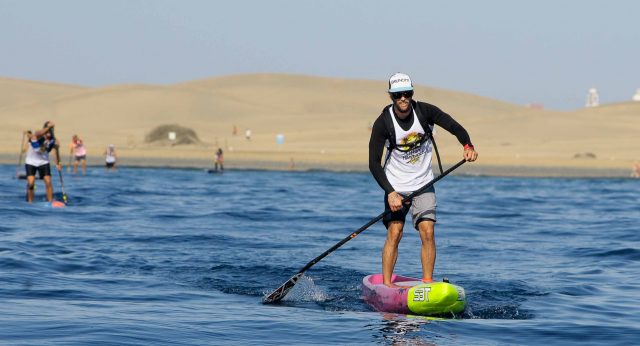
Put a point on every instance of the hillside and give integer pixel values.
(323, 119)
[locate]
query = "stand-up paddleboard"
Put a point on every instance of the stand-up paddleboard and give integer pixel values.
(215, 171)
(52, 204)
(57, 204)
(415, 297)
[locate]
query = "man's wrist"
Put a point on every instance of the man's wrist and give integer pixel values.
(468, 147)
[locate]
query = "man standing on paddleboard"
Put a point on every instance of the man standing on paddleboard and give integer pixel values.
(405, 128)
(219, 160)
(40, 144)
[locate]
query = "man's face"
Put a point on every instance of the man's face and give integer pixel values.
(402, 100)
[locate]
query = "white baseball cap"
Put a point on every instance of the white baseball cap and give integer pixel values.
(400, 82)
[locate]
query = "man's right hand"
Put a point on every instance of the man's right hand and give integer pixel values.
(395, 201)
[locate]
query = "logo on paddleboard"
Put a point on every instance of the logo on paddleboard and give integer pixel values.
(461, 296)
(421, 294)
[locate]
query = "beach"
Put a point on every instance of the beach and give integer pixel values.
(310, 123)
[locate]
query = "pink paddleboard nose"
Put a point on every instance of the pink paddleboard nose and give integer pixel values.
(57, 204)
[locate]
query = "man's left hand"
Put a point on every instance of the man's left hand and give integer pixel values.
(470, 154)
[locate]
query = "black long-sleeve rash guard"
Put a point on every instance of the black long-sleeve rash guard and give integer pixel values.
(380, 134)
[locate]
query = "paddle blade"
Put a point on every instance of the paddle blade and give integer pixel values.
(282, 291)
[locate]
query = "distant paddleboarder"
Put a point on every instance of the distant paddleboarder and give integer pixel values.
(405, 128)
(219, 160)
(41, 143)
(79, 152)
(111, 157)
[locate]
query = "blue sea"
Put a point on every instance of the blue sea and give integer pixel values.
(181, 257)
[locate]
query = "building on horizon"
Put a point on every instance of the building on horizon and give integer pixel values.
(636, 97)
(593, 100)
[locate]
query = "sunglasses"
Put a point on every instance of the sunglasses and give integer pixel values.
(398, 95)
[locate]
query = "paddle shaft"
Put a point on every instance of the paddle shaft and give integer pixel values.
(64, 195)
(24, 134)
(70, 159)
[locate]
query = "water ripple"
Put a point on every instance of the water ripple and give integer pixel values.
(168, 256)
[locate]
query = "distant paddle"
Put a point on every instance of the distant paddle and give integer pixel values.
(18, 175)
(282, 291)
(64, 195)
(69, 165)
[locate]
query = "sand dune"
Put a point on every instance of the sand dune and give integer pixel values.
(20, 92)
(325, 121)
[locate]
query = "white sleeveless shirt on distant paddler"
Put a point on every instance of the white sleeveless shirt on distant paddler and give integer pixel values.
(410, 170)
(37, 154)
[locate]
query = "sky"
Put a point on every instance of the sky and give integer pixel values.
(548, 52)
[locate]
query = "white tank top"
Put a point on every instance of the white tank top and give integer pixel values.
(111, 158)
(410, 170)
(38, 156)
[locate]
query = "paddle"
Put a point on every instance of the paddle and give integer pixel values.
(282, 291)
(70, 159)
(24, 134)
(64, 195)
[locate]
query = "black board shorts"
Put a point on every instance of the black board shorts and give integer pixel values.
(43, 171)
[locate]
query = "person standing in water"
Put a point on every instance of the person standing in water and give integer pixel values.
(79, 152)
(219, 160)
(111, 157)
(41, 143)
(405, 127)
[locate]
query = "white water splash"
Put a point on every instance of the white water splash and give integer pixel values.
(306, 291)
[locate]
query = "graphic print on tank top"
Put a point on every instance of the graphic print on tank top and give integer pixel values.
(412, 147)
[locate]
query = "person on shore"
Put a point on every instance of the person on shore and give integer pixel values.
(247, 134)
(111, 157)
(405, 128)
(41, 143)
(79, 152)
(219, 160)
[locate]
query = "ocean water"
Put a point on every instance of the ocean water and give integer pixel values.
(182, 257)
